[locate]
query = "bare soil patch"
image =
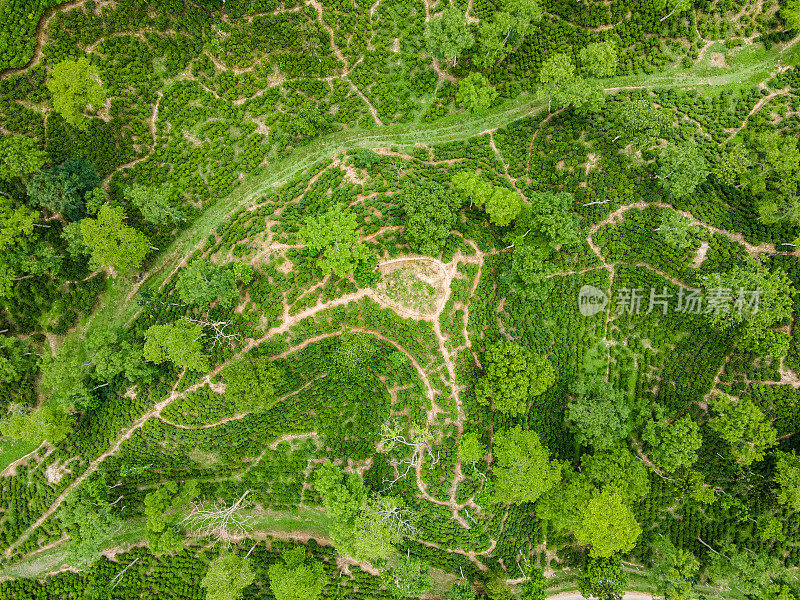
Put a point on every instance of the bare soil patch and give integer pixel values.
(415, 285)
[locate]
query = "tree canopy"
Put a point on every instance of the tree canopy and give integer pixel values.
(75, 85)
(607, 524)
(523, 469)
(114, 244)
(176, 342)
(227, 576)
(296, 577)
(448, 34)
(203, 282)
(334, 234)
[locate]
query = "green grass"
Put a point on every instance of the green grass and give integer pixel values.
(14, 450)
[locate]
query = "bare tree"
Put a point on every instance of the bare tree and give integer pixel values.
(218, 327)
(391, 437)
(219, 520)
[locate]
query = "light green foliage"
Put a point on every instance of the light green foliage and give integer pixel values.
(163, 510)
(48, 422)
(343, 495)
(475, 94)
(472, 186)
(203, 282)
(296, 578)
(95, 198)
(430, 209)
(642, 123)
(155, 203)
(448, 34)
(91, 520)
(522, 467)
(409, 579)
(250, 383)
(76, 247)
(618, 468)
(770, 528)
(64, 375)
(114, 244)
(791, 14)
(681, 168)
(496, 587)
(742, 425)
(599, 59)
(20, 156)
(365, 158)
(556, 72)
(335, 235)
(673, 445)
(601, 415)
(535, 588)
(16, 226)
(242, 272)
(461, 590)
(561, 505)
(227, 576)
(74, 85)
(773, 176)
(775, 299)
(551, 215)
(732, 164)
(676, 230)
(503, 206)
(787, 476)
(113, 352)
(511, 376)
(607, 524)
(674, 571)
(564, 87)
(751, 572)
(602, 578)
(176, 342)
(506, 29)
(470, 448)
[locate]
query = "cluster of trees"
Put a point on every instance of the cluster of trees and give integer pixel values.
(501, 204)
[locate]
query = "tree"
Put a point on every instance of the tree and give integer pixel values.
(461, 590)
(496, 586)
(732, 164)
(674, 571)
(352, 357)
(62, 188)
(642, 123)
(74, 85)
(550, 215)
(114, 244)
(791, 14)
(448, 34)
(155, 203)
(48, 422)
(410, 579)
(475, 94)
(203, 282)
(676, 230)
(250, 382)
(750, 572)
(561, 505)
(115, 352)
(91, 521)
(365, 158)
(16, 228)
(20, 156)
(681, 168)
(599, 59)
(511, 375)
(773, 176)
(430, 215)
(523, 469)
(754, 299)
(227, 576)
(607, 524)
(343, 495)
(176, 342)
(503, 206)
(673, 445)
(472, 187)
(297, 578)
(535, 588)
(163, 508)
(617, 468)
(335, 235)
(507, 28)
(787, 476)
(601, 415)
(556, 73)
(741, 424)
(602, 578)
(673, 6)
(470, 448)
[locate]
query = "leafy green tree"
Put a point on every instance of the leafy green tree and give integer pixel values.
(176, 342)
(602, 578)
(535, 588)
(430, 209)
(163, 509)
(91, 522)
(227, 576)
(365, 158)
(618, 468)
(673, 445)
(448, 34)
(601, 415)
(461, 590)
(496, 587)
(155, 203)
(550, 215)
(561, 505)
(741, 424)
(676, 230)
(674, 571)
(203, 282)
(470, 448)
(250, 382)
(410, 578)
(472, 187)
(511, 375)
(791, 14)
(642, 123)
(62, 188)
(507, 28)
(16, 230)
(335, 235)
(681, 168)
(599, 59)
(114, 244)
(607, 524)
(503, 206)
(750, 572)
(732, 164)
(755, 299)
(475, 93)
(297, 578)
(773, 176)
(523, 469)
(787, 476)
(556, 73)
(20, 156)
(74, 85)
(48, 422)
(343, 496)
(64, 375)
(114, 352)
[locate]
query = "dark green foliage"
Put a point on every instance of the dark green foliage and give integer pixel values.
(62, 188)
(430, 215)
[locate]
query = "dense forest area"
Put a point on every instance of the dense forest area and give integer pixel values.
(439, 299)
